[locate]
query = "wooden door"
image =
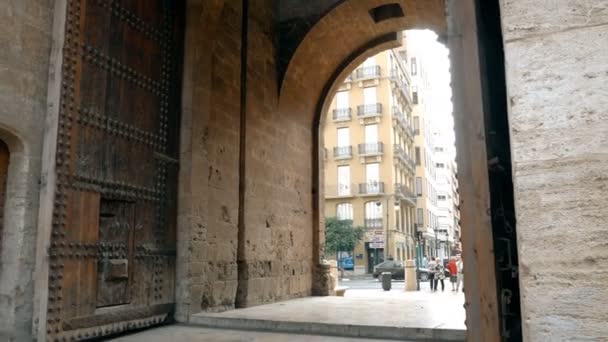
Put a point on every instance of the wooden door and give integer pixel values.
(112, 253)
(4, 157)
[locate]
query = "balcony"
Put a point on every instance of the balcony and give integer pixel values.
(371, 149)
(402, 84)
(403, 193)
(339, 191)
(373, 223)
(342, 114)
(368, 72)
(371, 188)
(369, 110)
(402, 121)
(343, 152)
(400, 154)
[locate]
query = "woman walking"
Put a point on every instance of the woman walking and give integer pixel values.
(439, 274)
(453, 268)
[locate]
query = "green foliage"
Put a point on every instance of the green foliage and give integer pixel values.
(340, 235)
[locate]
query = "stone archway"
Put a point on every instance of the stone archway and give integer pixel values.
(4, 159)
(318, 51)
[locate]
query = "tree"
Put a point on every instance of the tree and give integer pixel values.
(340, 235)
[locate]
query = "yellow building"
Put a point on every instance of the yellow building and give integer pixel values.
(369, 163)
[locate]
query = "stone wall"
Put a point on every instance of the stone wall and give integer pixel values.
(209, 170)
(277, 247)
(557, 79)
(26, 27)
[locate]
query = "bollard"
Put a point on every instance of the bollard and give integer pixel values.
(386, 281)
(410, 275)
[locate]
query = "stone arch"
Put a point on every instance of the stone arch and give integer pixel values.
(350, 23)
(18, 183)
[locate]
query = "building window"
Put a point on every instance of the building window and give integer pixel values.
(440, 165)
(344, 180)
(414, 67)
(342, 100)
(442, 197)
(369, 95)
(420, 216)
(417, 155)
(343, 137)
(373, 214)
(416, 125)
(419, 186)
(344, 211)
(415, 95)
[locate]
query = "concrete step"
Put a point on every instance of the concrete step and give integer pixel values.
(328, 329)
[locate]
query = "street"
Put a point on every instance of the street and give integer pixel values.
(369, 283)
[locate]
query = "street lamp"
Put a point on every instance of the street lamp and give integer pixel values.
(387, 239)
(418, 257)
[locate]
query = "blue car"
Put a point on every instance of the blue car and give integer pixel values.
(347, 264)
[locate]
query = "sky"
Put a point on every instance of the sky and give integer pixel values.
(435, 57)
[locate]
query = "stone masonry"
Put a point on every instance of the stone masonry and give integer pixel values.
(26, 27)
(248, 222)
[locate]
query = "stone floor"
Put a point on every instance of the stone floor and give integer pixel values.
(361, 313)
(180, 333)
(423, 309)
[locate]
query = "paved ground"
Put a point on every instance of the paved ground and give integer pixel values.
(177, 333)
(364, 310)
(370, 284)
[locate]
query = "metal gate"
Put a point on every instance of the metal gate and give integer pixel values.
(112, 251)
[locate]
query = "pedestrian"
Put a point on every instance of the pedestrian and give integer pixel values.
(431, 268)
(439, 274)
(460, 274)
(453, 268)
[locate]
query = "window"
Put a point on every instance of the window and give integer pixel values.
(344, 180)
(415, 95)
(342, 100)
(343, 137)
(369, 95)
(420, 216)
(373, 214)
(441, 197)
(417, 155)
(414, 67)
(419, 186)
(371, 61)
(372, 177)
(440, 165)
(416, 125)
(344, 211)
(371, 134)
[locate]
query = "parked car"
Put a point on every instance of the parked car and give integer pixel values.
(347, 264)
(423, 274)
(395, 267)
(397, 270)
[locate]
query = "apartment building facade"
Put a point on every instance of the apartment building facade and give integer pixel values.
(369, 163)
(447, 200)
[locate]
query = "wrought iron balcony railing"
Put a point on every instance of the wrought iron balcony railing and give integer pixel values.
(372, 223)
(368, 72)
(343, 152)
(342, 114)
(371, 148)
(371, 188)
(374, 109)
